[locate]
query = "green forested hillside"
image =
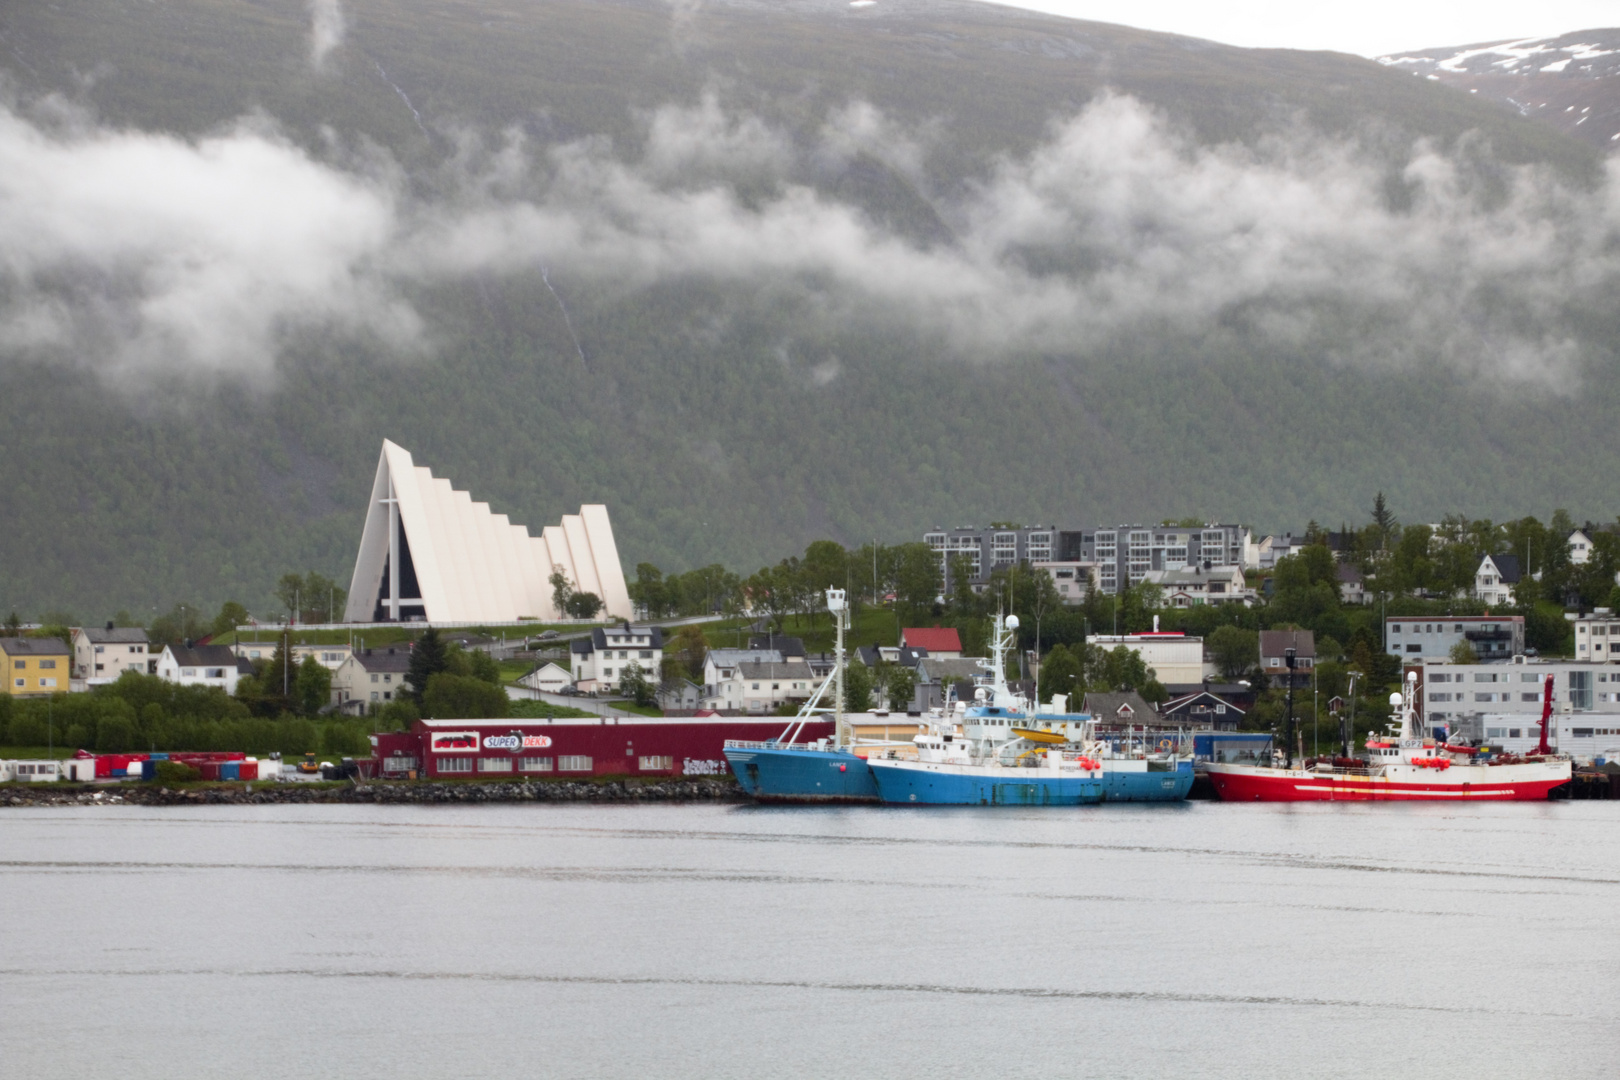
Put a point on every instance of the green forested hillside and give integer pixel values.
(732, 417)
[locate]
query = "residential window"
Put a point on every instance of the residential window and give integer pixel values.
(22, 682)
(606, 672)
(374, 695)
(101, 648)
(656, 763)
(1529, 677)
(1529, 697)
(1414, 647)
(646, 654)
(47, 682)
(188, 672)
(756, 686)
(574, 763)
(47, 664)
(388, 678)
(374, 678)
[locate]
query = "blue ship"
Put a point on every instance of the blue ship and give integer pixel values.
(1002, 755)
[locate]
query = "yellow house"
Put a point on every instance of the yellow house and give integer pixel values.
(36, 665)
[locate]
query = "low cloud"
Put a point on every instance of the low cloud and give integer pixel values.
(130, 250)
(325, 29)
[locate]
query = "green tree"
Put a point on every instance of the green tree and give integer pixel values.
(1124, 669)
(900, 686)
(314, 688)
(1384, 522)
(461, 697)
(428, 658)
(690, 648)
(231, 615)
(917, 578)
(584, 605)
(1233, 649)
(561, 589)
(857, 688)
(634, 684)
(1153, 692)
(1061, 674)
(1463, 653)
(650, 592)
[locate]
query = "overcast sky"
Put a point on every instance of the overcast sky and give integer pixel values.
(1370, 27)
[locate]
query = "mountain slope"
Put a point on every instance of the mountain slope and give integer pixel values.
(1568, 83)
(753, 274)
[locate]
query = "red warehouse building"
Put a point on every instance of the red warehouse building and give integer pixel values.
(586, 746)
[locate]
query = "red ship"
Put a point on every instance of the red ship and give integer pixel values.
(1404, 765)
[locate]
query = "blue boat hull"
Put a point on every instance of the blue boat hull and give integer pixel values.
(803, 776)
(1149, 786)
(914, 786)
(980, 787)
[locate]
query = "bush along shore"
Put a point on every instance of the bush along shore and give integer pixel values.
(705, 789)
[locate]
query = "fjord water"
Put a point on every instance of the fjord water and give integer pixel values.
(1207, 939)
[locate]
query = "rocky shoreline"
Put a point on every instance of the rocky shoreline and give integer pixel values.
(706, 789)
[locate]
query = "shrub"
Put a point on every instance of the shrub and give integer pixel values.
(175, 772)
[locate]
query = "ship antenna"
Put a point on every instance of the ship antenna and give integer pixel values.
(839, 606)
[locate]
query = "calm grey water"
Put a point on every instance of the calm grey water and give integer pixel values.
(1202, 940)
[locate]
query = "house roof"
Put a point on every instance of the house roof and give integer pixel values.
(380, 660)
(34, 646)
(867, 654)
(203, 655)
(1273, 642)
(1348, 574)
(732, 657)
(787, 646)
(1125, 707)
(938, 669)
(117, 635)
(791, 669)
(599, 637)
(933, 638)
(1507, 567)
(1188, 701)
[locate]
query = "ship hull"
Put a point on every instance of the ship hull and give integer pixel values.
(782, 775)
(1464, 783)
(917, 784)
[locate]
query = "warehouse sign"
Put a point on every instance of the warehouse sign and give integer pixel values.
(450, 742)
(516, 741)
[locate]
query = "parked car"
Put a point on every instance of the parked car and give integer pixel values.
(549, 635)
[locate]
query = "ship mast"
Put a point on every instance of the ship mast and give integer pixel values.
(839, 606)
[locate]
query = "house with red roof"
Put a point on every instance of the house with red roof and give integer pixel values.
(941, 642)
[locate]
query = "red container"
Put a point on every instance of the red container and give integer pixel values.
(208, 769)
(248, 770)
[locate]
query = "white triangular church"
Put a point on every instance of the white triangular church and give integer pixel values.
(429, 552)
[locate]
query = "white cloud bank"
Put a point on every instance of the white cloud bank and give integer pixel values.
(131, 251)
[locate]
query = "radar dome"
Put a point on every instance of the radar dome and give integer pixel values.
(1396, 699)
(1012, 622)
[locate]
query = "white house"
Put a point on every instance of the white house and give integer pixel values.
(1580, 547)
(1072, 578)
(761, 687)
(599, 660)
(102, 654)
(721, 664)
(330, 657)
(548, 677)
(370, 677)
(1495, 578)
(202, 665)
(1191, 586)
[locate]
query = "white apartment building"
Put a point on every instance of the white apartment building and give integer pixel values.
(1493, 637)
(1597, 636)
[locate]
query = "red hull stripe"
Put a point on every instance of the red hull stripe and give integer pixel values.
(1240, 788)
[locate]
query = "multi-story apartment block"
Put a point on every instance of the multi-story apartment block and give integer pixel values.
(1597, 636)
(101, 655)
(36, 666)
(1493, 637)
(1122, 555)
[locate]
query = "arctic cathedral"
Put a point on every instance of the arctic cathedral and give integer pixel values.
(430, 553)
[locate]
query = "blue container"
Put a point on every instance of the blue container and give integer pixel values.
(148, 769)
(158, 757)
(230, 770)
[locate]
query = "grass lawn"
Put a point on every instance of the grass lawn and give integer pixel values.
(38, 753)
(543, 710)
(393, 635)
(640, 710)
